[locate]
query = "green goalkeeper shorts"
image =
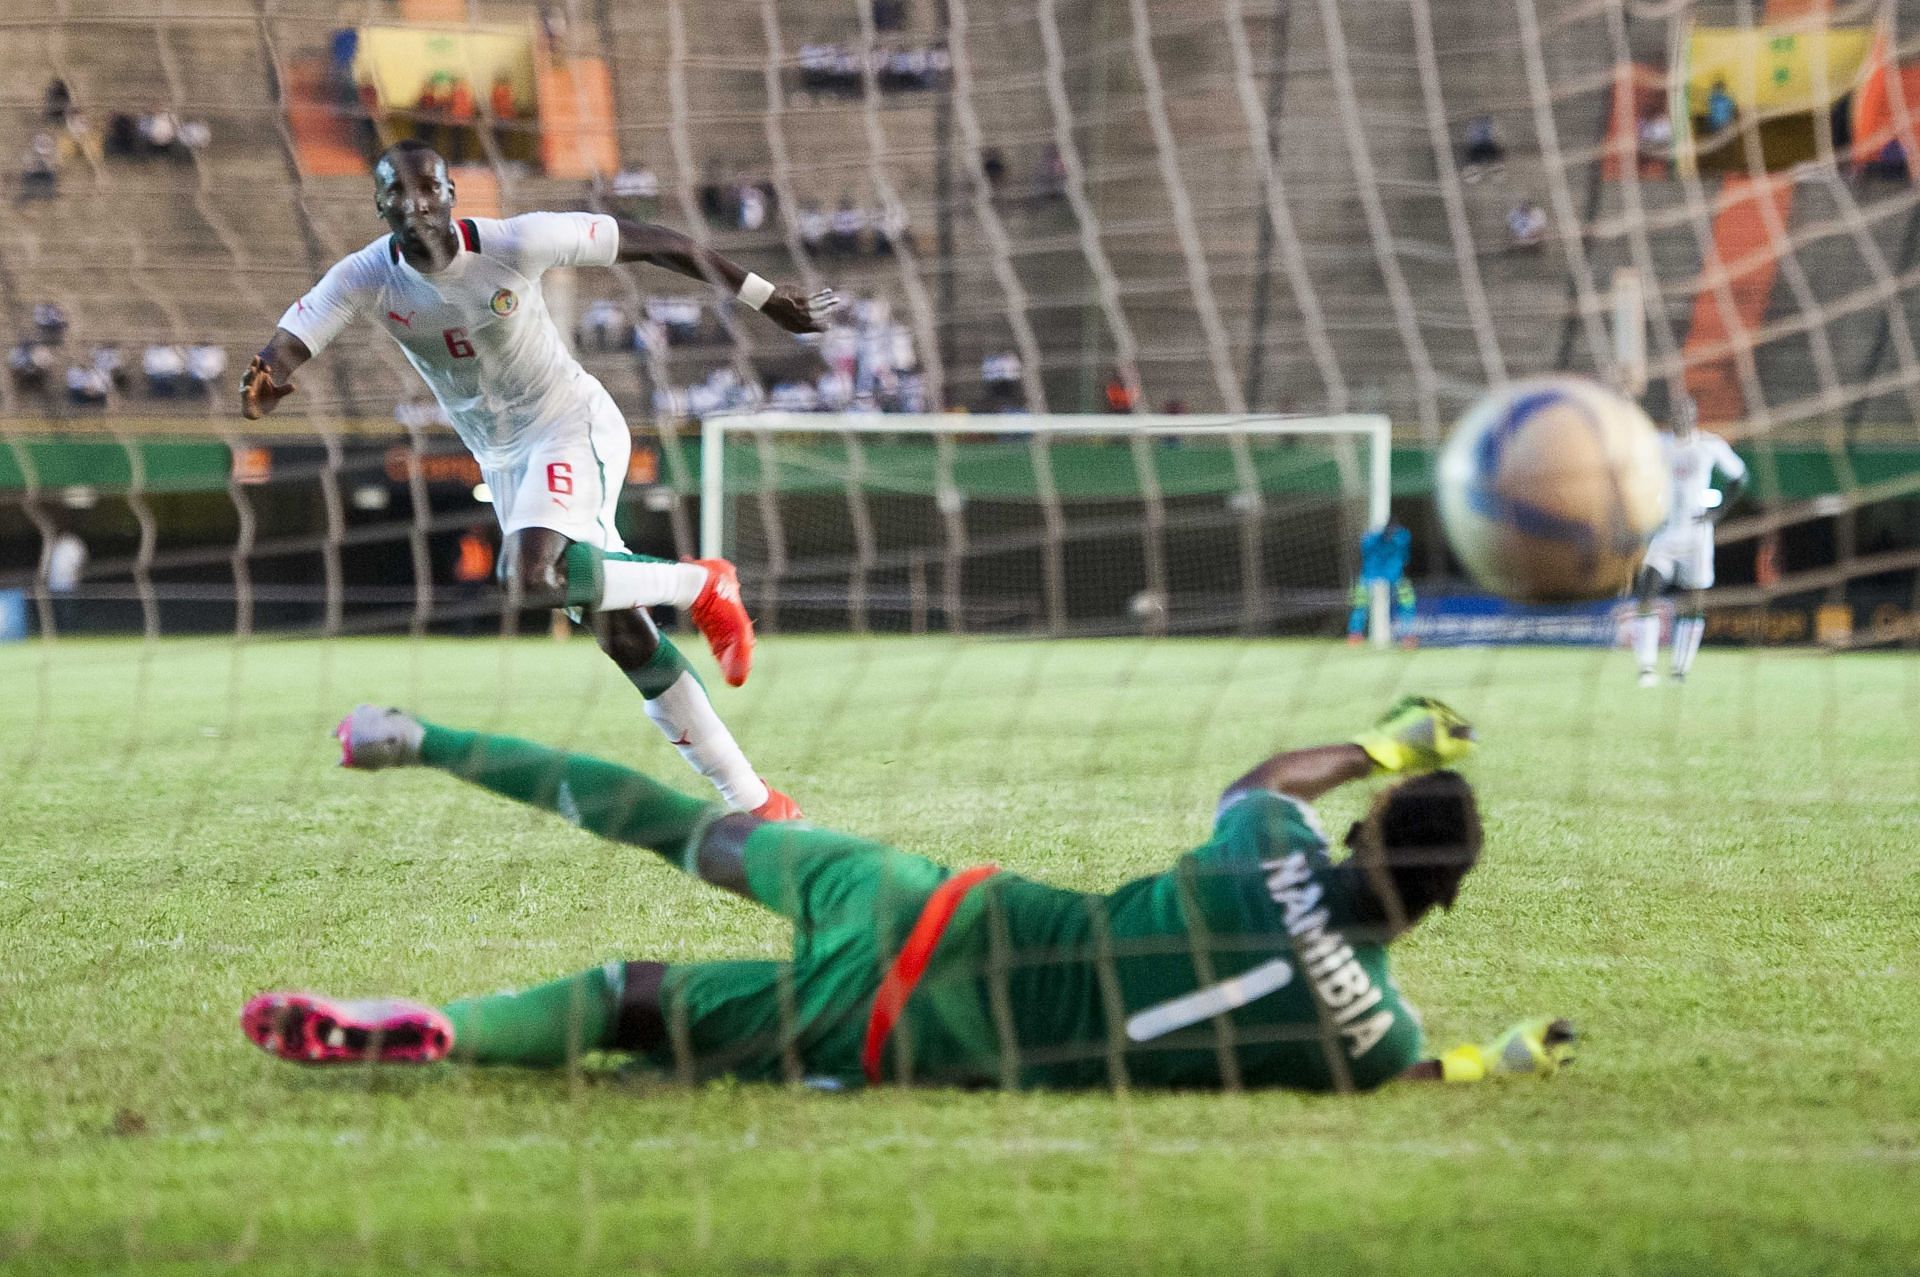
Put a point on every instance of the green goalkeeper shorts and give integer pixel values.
(852, 902)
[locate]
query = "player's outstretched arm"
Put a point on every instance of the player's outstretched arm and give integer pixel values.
(269, 375)
(665, 247)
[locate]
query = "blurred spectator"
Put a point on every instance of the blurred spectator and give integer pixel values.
(166, 370)
(106, 358)
(462, 114)
(206, 366)
(1481, 152)
(29, 363)
(1526, 225)
(751, 200)
(504, 112)
(50, 322)
(794, 396)
(1175, 408)
(846, 229)
(1721, 108)
(472, 572)
(993, 166)
(1120, 394)
(1050, 181)
(605, 327)
(892, 230)
(158, 131)
(811, 224)
(87, 386)
(40, 169)
(889, 15)
(123, 135)
(909, 393)
(1000, 376)
(679, 317)
(57, 101)
(194, 136)
(66, 564)
(840, 352)
(636, 193)
(79, 139)
(1656, 132)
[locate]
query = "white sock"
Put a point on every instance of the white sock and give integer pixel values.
(1646, 640)
(650, 585)
(685, 714)
(1686, 641)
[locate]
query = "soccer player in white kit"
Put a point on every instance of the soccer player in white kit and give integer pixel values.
(463, 301)
(1707, 479)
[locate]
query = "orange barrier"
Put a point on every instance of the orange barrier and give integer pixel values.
(1747, 247)
(322, 135)
(576, 116)
(477, 188)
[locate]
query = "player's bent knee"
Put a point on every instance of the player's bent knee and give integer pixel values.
(628, 638)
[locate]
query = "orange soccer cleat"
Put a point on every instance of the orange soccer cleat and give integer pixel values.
(778, 807)
(719, 614)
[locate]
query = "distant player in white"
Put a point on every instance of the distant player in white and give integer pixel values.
(1707, 479)
(463, 301)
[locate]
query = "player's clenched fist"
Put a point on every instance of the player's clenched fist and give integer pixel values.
(260, 394)
(798, 313)
(1417, 734)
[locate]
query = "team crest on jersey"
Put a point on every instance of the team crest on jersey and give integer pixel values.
(504, 303)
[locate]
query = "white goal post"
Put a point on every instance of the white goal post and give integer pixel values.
(836, 453)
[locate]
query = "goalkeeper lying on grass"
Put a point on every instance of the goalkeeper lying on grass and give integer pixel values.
(1254, 961)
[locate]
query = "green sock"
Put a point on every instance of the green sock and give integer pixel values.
(541, 1027)
(662, 670)
(598, 796)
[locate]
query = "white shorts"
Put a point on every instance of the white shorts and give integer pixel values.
(568, 480)
(1684, 556)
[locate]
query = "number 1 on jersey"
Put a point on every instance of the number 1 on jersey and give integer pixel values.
(457, 344)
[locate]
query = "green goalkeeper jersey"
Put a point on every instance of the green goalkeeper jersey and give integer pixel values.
(1248, 963)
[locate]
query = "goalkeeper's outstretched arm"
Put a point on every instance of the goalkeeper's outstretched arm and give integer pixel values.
(1417, 734)
(1540, 1047)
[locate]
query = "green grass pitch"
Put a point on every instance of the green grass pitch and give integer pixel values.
(1720, 883)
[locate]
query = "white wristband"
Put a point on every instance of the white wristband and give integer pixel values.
(754, 291)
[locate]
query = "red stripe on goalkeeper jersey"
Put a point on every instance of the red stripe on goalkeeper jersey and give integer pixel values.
(911, 962)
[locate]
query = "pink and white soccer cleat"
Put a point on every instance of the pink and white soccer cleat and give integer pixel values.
(373, 737)
(309, 1029)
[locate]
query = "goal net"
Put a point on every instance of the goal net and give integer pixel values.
(1152, 307)
(1045, 524)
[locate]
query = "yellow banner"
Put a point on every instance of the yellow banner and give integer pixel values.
(401, 61)
(1771, 72)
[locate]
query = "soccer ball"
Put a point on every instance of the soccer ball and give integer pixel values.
(1550, 489)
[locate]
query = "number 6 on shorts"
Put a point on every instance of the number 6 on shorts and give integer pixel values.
(560, 478)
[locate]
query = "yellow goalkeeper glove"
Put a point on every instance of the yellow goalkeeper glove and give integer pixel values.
(1540, 1046)
(1417, 734)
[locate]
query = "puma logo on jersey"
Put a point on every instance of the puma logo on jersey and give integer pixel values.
(686, 739)
(406, 319)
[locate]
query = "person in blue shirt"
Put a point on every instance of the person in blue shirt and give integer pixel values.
(1383, 557)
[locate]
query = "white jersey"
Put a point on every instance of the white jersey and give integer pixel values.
(478, 331)
(1693, 463)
